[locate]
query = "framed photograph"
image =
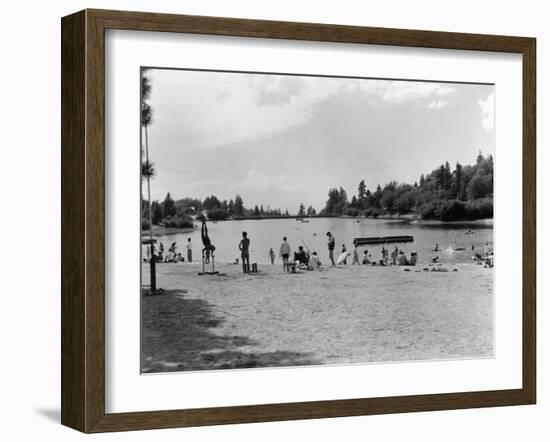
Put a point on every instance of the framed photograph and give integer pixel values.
(267, 220)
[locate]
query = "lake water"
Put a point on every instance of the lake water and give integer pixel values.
(263, 234)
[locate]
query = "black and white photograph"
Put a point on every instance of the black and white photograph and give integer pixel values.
(306, 220)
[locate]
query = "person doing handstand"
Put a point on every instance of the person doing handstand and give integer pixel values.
(208, 246)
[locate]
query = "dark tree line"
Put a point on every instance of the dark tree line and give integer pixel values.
(165, 213)
(179, 213)
(465, 192)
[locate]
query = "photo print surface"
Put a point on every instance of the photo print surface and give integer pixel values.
(295, 220)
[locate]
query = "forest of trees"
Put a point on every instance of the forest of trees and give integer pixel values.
(170, 213)
(462, 193)
(444, 194)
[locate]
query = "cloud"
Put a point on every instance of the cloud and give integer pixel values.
(280, 90)
(487, 108)
(438, 104)
(212, 109)
(261, 182)
(399, 92)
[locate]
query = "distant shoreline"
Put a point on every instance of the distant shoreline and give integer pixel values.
(161, 230)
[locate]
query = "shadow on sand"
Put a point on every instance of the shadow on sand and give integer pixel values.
(177, 335)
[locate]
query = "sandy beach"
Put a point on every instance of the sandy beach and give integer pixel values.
(352, 314)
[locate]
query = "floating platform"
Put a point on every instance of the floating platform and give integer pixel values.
(382, 240)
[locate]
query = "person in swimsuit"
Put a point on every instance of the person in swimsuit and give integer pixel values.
(208, 246)
(394, 255)
(331, 244)
(189, 250)
(355, 255)
(271, 255)
(284, 253)
(244, 246)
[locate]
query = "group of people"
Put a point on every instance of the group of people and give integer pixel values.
(303, 258)
(486, 257)
(306, 260)
(171, 256)
(397, 258)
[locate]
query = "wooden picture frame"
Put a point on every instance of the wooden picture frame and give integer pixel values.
(83, 220)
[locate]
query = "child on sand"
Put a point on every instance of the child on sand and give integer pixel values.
(271, 255)
(366, 259)
(314, 262)
(345, 259)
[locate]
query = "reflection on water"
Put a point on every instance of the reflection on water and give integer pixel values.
(267, 233)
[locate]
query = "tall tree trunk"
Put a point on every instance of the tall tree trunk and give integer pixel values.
(152, 259)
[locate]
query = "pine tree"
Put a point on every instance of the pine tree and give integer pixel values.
(362, 190)
(168, 206)
(239, 206)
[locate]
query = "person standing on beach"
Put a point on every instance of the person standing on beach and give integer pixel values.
(394, 255)
(244, 246)
(355, 255)
(284, 253)
(331, 244)
(189, 250)
(385, 255)
(271, 255)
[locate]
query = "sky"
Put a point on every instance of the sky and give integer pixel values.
(280, 140)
